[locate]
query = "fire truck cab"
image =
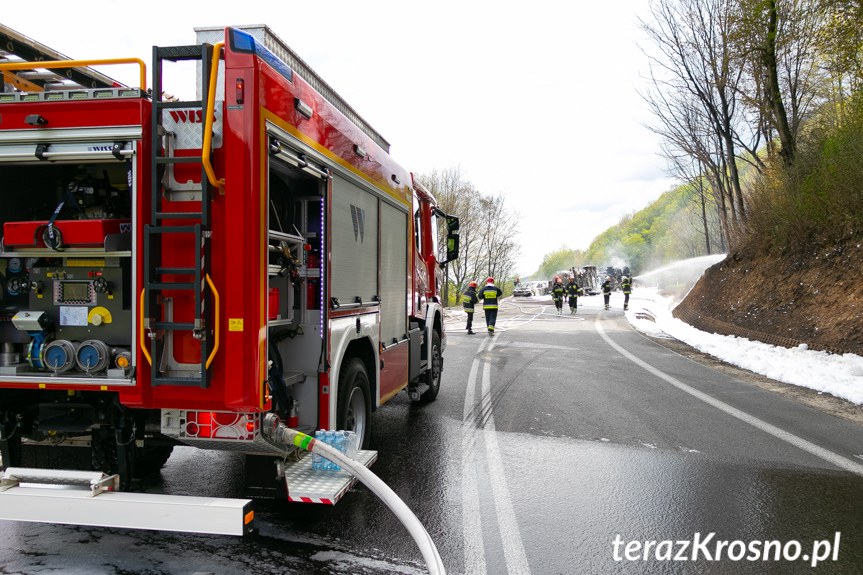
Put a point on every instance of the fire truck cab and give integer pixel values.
(173, 270)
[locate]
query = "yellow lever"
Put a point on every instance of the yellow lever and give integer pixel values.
(216, 329)
(141, 331)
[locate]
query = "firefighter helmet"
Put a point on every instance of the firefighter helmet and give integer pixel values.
(489, 281)
(557, 278)
(472, 284)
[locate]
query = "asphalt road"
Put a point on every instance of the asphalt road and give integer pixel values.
(563, 445)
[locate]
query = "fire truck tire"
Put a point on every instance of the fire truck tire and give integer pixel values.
(103, 452)
(432, 376)
(355, 401)
(149, 459)
(10, 444)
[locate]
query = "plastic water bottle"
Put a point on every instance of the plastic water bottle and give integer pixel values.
(351, 444)
(329, 439)
(339, 444)
(317, 460)
(343, 441)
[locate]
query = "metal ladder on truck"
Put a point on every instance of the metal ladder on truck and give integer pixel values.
(169, 218)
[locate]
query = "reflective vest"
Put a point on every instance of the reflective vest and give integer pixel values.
(468, 299)
(489, 295)
(557, 291)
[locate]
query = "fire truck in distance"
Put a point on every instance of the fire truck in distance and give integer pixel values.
(173, 272)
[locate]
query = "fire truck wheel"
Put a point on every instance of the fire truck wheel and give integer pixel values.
(355, 401)
(149, 459)
(10, 447)
(103, 452)
(432, 376)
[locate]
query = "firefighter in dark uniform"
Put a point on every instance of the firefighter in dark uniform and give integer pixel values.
(489, 296)
(558, 291)
(606, 290)
(468, 299)
(626, 286)
(572, 290)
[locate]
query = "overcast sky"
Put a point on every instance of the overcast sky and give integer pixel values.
(535, 100)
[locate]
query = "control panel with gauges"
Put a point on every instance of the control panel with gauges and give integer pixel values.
(69, 316)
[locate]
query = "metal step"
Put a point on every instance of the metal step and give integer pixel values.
(175, 325)
(174, 380)
(69, 500)
(325, 486)
(176, 271)
(159, 286)
(184, 514)
(178, 215)
(178, 160)
(196, 229)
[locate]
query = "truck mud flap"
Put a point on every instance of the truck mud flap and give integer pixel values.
(86, 498)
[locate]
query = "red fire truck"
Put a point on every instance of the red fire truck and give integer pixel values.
(173, 272)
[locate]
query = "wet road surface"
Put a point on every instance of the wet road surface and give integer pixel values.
(563, 445)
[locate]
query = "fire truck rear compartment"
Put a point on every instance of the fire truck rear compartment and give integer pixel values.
(65, 262)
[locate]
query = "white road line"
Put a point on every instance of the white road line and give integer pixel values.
(474, 547)
(513, 548)
(474, 553)
(809, 447)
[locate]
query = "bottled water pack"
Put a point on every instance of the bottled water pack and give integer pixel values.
(344, 441)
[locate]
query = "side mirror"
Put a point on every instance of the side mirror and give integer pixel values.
(452, 244)
(451, 224)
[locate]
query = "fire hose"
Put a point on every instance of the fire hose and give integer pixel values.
(278, 432)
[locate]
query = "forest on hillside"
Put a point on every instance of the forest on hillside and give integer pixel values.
(760, 112)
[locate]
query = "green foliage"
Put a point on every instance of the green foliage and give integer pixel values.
(562, 259)
(819, 199)
(660, 233)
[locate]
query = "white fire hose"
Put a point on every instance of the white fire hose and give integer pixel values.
(278, 432)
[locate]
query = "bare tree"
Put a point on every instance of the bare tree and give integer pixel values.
(487, 228)
(780, 41)
(697, 75)
(692, 171)
(498, 230)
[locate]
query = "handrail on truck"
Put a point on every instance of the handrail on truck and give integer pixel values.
(141, 331)
(208, 129)
(48, 65)
(216, 329)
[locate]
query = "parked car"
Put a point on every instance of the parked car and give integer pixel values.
(539, 288)
(523, 290)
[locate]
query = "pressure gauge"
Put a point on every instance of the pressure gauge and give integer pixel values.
(13, 265)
